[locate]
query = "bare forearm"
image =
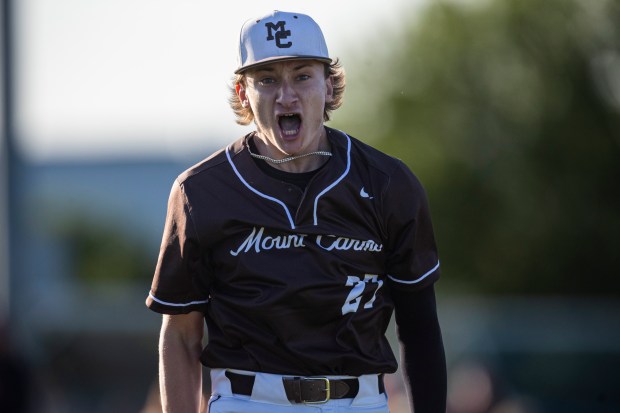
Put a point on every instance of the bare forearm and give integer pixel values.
(180, 371)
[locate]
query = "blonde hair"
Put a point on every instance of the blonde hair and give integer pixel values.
(245, 116)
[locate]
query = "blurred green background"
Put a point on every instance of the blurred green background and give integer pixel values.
(509, 113)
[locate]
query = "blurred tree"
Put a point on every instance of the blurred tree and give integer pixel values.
(509, 112)
(100, 251)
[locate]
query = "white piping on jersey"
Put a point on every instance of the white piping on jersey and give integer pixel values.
(316, 200)
(257, 192)
(346, 171)
(176, 304)
(417, 280)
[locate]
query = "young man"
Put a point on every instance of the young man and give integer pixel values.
(295, 244)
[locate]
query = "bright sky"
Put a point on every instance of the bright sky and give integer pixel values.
(101, 77)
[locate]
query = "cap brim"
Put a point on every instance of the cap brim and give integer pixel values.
(279, 59)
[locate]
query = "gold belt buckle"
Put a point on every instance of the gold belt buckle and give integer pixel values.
(327, 389)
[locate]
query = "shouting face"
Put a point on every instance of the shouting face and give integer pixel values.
(288, 99)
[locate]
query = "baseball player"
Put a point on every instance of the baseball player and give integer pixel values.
(295, 244)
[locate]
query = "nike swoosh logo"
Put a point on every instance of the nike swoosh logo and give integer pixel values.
(364, 194)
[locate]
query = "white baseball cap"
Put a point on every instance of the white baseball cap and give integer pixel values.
(280, 36)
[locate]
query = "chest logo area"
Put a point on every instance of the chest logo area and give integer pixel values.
(258, 241)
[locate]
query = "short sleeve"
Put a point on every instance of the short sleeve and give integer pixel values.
(180, 282)
(413, 261)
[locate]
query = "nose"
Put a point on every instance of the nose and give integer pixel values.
(287, 95)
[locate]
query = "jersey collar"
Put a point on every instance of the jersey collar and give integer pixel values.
(298, 207)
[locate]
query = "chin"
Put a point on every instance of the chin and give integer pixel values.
(292, 144)
(288, 140)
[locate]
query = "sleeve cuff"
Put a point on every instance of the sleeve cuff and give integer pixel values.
(167, 307)
(422, 281)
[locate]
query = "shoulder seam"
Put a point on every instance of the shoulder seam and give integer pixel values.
(189, 210)
(202, 166)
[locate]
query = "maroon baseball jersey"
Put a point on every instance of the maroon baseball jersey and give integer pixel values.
(295, 281)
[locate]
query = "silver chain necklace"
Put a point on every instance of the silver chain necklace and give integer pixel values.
(290, 158)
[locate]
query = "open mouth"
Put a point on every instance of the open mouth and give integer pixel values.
(290, 123)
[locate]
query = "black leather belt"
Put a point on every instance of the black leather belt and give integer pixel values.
(304, 389)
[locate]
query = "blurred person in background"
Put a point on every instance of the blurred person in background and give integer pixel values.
(295, 244)
(476, 387)
(15, 377)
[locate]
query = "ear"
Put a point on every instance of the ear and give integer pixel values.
(329, 90)
(240, 89)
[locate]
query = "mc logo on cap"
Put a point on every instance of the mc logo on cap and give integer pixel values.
(280, 36)
(281, 33)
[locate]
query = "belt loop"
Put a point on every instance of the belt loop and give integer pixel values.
(220, 384)
(268, 388)
(369, 391)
